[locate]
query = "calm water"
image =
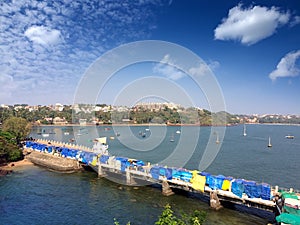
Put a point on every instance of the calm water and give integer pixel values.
(34, 195)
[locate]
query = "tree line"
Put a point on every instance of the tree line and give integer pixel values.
(45, 115)
(12, 132)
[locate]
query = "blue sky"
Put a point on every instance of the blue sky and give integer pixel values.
(252, 47)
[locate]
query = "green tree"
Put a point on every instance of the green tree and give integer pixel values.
(167, 217)
(19, 127)
(196, 218)
(9, 150)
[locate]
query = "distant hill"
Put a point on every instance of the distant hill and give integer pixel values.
(170, 114)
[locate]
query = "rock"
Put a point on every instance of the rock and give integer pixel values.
(4, 172)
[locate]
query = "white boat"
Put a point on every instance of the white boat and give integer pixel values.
(172, 138)
(217, 141)
(142, 134)
(178, 132)
(80, 133)
(66, 133)
(45, 134)
(245, 133)
(289, 136)
(269, 144)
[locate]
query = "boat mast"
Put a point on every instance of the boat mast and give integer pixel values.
(217, 141)
(245, 134)
(269, 145)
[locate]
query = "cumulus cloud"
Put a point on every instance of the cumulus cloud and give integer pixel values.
(43, 35)
(287, 67)
(250, 25)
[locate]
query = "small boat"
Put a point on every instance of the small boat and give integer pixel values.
(172, 138)
(44, 134)
(178, 132)
(142, 134)
(80, 134)
(289, 136)
(147, 129)
(269, 144)
(217, 141)
(245, 133)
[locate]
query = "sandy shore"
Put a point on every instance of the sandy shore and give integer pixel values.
(16, 165)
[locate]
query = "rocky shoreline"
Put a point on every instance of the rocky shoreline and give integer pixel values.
(10, 167)
(4, 172)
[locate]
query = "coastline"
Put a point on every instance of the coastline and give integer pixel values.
(16, 165)
(123, 125)
(156, 124)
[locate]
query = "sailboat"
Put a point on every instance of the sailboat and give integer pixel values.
(172, 138)
(217, 141)
(269, 145)
(245, 134)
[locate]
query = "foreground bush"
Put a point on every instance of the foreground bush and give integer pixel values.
(167, 217)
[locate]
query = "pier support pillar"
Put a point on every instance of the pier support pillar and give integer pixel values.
(166, 190)
(100, 171)
(214, 201)
(129, 178)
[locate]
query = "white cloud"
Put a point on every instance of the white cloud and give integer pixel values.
(295, 21)
(287, 66)
(167, 68)
(213, 65)
(49, 44)
(7, 86)
(251, 25)
(43, 35)
(201, 70)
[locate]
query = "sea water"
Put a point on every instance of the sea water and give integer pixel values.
(33, 195)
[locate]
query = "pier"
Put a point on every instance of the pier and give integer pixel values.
(219, 190)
